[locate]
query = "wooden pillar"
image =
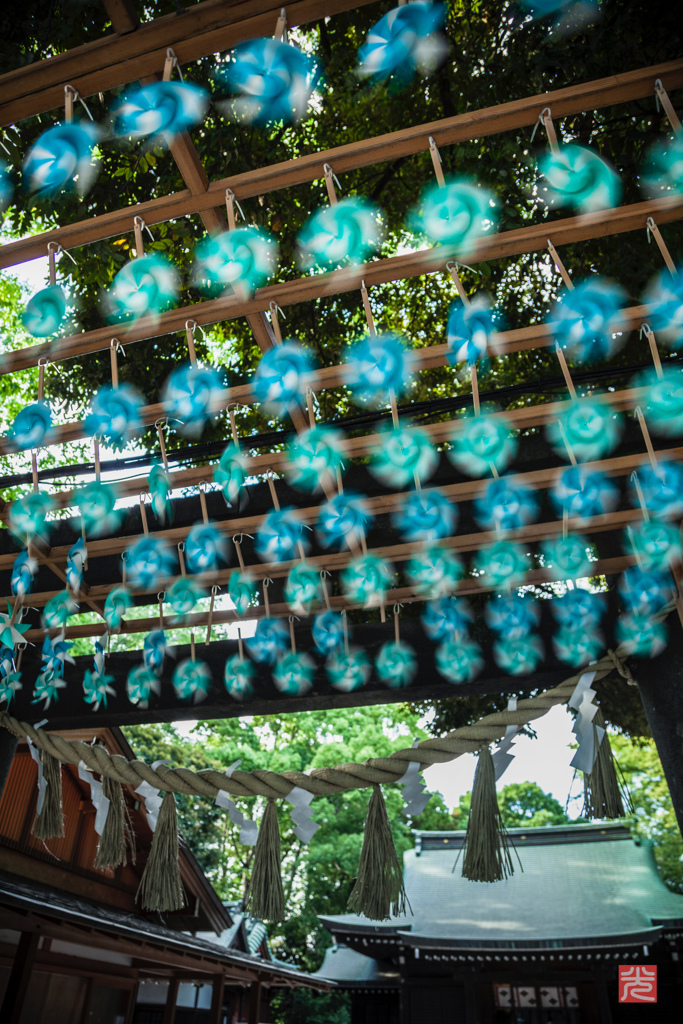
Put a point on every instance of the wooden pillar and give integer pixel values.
(171, 1000)
(8, 746)
(87, 1000)
(216, 1012)
(660, 682)
(254, 1003)
(132, 1000)
(19, 978)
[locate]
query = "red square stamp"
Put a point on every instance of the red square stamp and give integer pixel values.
(638, 984)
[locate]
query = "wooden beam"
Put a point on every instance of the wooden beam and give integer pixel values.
(216, 1011)
(20, 977)
(254, 1003)
(123, 16)
(171, 1000)
(380, 149)
(112, 61)
(503, 245)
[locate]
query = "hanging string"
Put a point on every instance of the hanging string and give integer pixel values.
(546, 119)
(237, 541)
(214, 590)
(330, 179)
(661, 96)
(646, 330)
(230, 204)
(138, 227)
(170, 63)
(653, 230)
(70, 96)
(275, 313)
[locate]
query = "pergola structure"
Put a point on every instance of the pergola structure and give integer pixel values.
(137, 52)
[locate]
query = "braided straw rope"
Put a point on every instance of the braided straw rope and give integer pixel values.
(321, 781)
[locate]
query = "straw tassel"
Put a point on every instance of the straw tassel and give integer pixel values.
(266, 898)
(117, 833)
(604, 795)
(487, 845)
(160, 886)
(378, 892)
(49, 824)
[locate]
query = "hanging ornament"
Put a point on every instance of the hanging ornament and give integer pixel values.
(425, 516)
(314, 458)
(45, 311)
(405, 41)
(145, 286)
(191, 680)
(663, 167)
(239, 677)
(47, 687)
(349, 230)
(343, 520)
(645, 593)
(148, 561)
(567, 556)
(303, 588)
(656, 545)
(96, 502)
(585, 321)
(159, 490)
(10, 679)
(512, 616)
(589, 428)
(505, 505)
(366, 579)
(293, 674)
(58, 609)
(581, 493)
(434, 572)
(403, 455)
(206, 548)
(115, 414)
(396, 664)
(62, 160)
(75, 564)
(377, 368)
(348, 670)
(471, 326)
(96, 685)
(6, 185)
(579, 609)
(480, 442)
(661, 488)
(272, 79)
(279, 536)
(32, 427)
(640, 636)
(141, 684)
(118, 602)
(663, 404)
(11, 632)
(154, 650)
(664, 297)
(575, 647)
(28, 515)
(24, 569)
(279, 378)
(459, 660)
(55, 654)
(192, 395)
(455, 214)
(158, 109)
(328, 632)
(235, 262)
(444, 617)
(242, 591)
(231, 473)
(578, 177)
(502, 565)
(183, 596)
(518, 657)
(270, 640)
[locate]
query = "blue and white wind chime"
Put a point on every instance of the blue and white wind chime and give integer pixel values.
(272, 80)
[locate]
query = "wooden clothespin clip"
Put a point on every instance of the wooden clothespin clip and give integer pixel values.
(281, 26)
(138, 227)
(646, 330)
(274, 310)
(653, 230)
(436, 161)
(330, 180)
(230, 204)
(661, 96)
(559, 265)
(170, 63)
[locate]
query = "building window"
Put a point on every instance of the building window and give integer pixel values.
(536, 1004)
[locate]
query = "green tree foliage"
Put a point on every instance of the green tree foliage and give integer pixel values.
(654, 818)
(522, 805)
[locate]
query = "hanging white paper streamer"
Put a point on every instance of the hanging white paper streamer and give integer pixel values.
(306, 828)
(502, 758)
(42, 785)
(150, 795)
(99, 801)
(248, 828)
(415, 793)
(582, 701)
